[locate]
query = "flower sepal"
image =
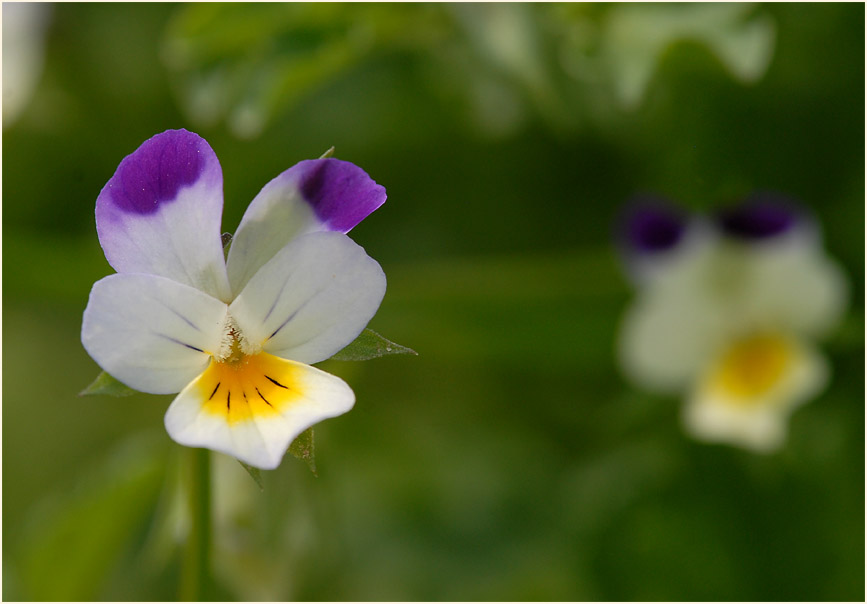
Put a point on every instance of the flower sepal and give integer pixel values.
(301, 448)
(370, 345)
(107, 385)
(255, 474)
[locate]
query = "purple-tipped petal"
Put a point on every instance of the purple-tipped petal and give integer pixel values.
(160, 213)
(650, 224)
(760, 216)
(341, 193)
(155, 172)
(313, 195)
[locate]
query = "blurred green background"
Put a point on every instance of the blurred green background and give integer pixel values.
(509, 460)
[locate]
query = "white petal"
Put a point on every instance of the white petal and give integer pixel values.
(786, 283)
(312, 299)
(796, 286)
(151, 333)
(255, 409)
(675, 323)
(665, 340)
(758, 421)
(274, 217)
(713, 421)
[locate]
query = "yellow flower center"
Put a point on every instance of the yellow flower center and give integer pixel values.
(242, 389)
(752, 366)
(242, 383)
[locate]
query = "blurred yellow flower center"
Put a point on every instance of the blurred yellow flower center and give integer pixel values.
(242, 389)
(752, 366)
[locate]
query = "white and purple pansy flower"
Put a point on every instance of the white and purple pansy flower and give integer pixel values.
(729, 321)
(234, 336)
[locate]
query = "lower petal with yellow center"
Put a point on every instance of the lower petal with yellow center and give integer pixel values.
(253, 406)
(747, 393)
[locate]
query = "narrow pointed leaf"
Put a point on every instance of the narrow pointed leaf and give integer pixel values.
(302, 448)
(105, 384)
(370, 345)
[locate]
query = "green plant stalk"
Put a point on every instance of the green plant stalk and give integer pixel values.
(196, 563)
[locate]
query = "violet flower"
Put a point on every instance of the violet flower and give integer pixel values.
(234, 336)
(730, 321)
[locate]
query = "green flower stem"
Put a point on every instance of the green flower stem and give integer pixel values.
(196, 564)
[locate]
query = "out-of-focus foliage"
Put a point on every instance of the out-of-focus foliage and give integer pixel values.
(80, 536)
(509, 460)
(244, 63)
(634, 38)
(501, 62)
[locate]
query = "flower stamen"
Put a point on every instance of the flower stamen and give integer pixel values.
(234, 345)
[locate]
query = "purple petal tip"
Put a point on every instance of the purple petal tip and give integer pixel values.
(341, 193)
(760, 216)
(155, 171)
(651, 224)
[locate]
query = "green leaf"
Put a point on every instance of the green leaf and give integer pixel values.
(255, 474)
(105, 384)
(370, 345)
(328, 153)
(302, 448)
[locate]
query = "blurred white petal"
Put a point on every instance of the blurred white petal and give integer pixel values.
(747, 393)
(718, 291)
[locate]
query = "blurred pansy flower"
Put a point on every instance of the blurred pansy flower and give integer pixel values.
(727, 313)
(236, 335)
(24, 28)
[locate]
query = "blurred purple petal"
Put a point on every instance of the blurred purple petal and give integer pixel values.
(651, 224)
(760, 216)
